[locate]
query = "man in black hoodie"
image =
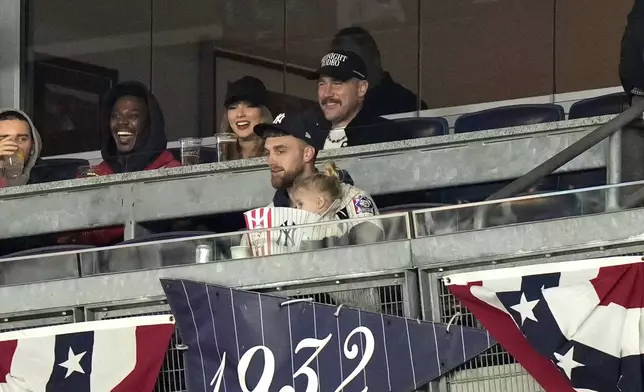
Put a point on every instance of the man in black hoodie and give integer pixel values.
(133, 131)
(631, 67)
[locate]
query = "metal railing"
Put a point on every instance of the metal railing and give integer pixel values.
(393, 277)
(613, 127)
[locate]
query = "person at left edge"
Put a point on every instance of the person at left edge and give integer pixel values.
(19, 135)
(134, 139)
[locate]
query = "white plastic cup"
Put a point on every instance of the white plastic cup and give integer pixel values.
(190, 151)
(14, 165)
(240, 252)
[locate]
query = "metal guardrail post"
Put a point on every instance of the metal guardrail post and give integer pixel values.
(566, 155)
(614, 170)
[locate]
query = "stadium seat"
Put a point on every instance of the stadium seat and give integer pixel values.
(159, 255)
(419, 127)
(43, 268)
(66, 168)
(599, 106)
(398, 129)
(509, 116)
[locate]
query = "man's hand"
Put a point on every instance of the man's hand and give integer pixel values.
(8, 147)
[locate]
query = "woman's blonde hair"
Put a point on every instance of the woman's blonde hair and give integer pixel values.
(224, 127)
(326, 181)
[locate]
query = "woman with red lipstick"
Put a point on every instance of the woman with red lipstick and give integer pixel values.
(246, 107)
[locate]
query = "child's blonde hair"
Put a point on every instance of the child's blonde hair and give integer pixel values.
(326, 181)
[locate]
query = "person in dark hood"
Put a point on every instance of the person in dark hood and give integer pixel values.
(384, 96)
(133, 131)
(19, 135)
(631, 66)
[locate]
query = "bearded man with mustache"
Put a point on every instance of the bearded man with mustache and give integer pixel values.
(342, 88)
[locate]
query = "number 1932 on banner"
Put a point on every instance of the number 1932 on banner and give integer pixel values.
(266, 379)
(240, 341)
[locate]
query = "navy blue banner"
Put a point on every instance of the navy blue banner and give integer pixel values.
(241, 341)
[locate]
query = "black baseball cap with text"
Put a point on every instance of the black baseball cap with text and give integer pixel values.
(342, 65)
(299, 125)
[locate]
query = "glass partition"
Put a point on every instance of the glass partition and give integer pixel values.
(76, 51)
(524, 209)
(138, 255)
(483, 51)
(433, 54)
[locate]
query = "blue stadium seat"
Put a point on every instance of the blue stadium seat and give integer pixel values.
(599, 106)
(398, 129)
(62, 168)
(509, 116)
(419, 127)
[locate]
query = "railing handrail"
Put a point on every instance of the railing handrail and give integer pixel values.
(527, 197)
(566, 155)
(379, 218)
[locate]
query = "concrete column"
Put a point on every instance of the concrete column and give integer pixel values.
(10, 64)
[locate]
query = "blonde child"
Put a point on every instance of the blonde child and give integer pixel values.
(319, 192)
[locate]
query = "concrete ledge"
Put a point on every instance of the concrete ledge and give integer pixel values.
(296, 268)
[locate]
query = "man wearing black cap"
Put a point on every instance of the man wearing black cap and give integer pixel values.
(342, 88)
(291, 145)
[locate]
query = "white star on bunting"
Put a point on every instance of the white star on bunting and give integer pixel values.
(525, 308)
(566, 361)
(72, 364)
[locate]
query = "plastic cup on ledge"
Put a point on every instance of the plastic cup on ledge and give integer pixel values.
(190, 151)
(240, 252)
(226, 144)
(13, 165)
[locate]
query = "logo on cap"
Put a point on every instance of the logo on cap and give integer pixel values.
(280, 117)
(332, 60)
(308, 135)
